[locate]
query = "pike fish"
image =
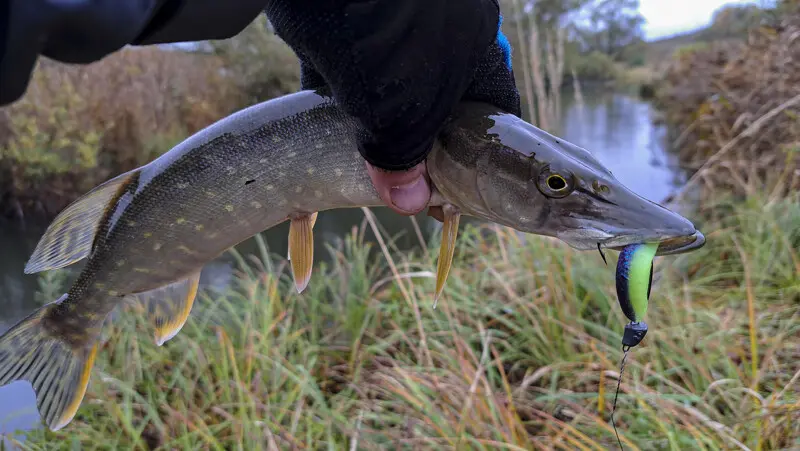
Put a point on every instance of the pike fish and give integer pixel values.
(147, 233)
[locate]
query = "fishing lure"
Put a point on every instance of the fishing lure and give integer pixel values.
(634, 279)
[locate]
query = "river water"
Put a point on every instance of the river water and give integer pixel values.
(618, 129)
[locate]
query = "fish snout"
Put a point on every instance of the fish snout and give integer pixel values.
(640, 220)
(621, 218)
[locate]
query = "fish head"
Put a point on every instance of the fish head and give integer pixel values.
(497, 167)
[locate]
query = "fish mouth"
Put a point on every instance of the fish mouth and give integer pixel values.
(682, 244)
(676, 245)
(590, 234)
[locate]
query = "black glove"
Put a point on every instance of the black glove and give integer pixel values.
(400, 66)
(84, 31)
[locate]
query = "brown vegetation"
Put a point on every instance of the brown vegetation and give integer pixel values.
(737, 107)
(79, 125)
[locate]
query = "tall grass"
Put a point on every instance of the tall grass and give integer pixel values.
(521, 353)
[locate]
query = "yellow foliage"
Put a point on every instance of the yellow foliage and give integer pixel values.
(78, 125)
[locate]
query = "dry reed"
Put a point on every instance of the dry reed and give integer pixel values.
(77, 125)
(542, 68)
(737, 107)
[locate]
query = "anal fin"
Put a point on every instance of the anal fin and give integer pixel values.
(452, 217)
(69, 237)
(301, 248)
(168, 307)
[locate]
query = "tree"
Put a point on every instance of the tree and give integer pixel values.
(610, 26)
(733, 21)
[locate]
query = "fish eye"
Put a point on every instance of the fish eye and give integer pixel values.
(555, 184)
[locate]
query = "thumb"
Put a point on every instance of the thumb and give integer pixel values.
(406, 192)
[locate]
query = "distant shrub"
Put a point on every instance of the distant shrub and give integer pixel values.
(686, 51)
(78, 125)
(51, 132)
(641, 79)
(634, 54)
(261, 64)
(595, 66)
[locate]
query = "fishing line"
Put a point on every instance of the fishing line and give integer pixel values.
(634, 280)
(633, 335)
(625, 350)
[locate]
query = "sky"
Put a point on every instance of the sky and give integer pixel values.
(669, 17)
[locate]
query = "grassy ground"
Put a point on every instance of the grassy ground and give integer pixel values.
(522, 352)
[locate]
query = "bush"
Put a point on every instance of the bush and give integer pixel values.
(689, 50)
(594, 66)
(739, 104)
(79, 125)
(263, 65)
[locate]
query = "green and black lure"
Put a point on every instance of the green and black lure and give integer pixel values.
(634, 279)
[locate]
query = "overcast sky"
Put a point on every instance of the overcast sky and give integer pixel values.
(668, 17)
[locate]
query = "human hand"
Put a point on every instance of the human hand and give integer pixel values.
(405, 192)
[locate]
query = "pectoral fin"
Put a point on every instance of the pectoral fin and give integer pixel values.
(169, 306)
(69, 237)
(301, 248)
(449, 235)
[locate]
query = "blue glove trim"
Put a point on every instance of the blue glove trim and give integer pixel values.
(502, 41)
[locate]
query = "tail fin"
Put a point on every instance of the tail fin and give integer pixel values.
(58, 372)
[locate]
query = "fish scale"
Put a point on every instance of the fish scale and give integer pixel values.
(148, 233)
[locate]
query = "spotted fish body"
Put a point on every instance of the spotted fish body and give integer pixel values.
(147, 233)
(216, 190)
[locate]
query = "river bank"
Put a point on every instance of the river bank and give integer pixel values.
(522, 351)
(734, 108)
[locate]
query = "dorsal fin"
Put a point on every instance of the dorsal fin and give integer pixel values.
(69, 237)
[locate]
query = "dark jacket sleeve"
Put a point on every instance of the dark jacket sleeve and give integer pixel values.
(84, 31)
(399, 66)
